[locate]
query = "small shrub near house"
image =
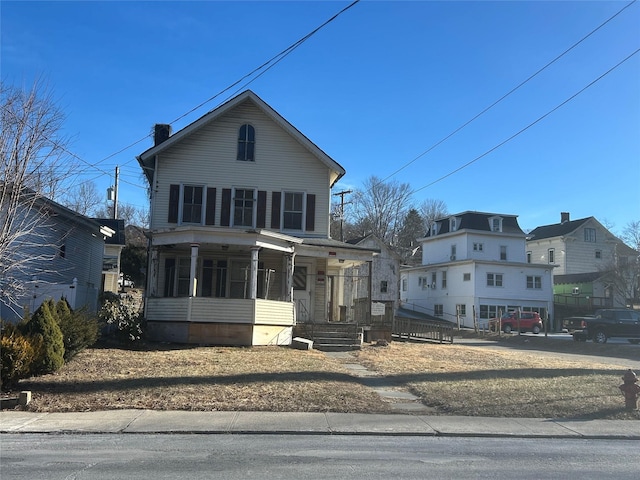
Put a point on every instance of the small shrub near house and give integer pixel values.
(41, 343)
(18, 354)
(43, 322)
(122, 314)
(79, 329)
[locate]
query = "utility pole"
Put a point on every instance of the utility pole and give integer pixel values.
(342, 204)
(115, 196)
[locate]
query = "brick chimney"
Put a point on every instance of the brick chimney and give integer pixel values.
(161, 132)
(564, 217)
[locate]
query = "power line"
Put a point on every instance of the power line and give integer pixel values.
(508, 93)
(266, 65)
(528, 126)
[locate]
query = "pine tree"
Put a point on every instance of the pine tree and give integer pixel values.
(43, 323)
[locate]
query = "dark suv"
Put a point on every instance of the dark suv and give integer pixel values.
(610, 323)
(529, 321)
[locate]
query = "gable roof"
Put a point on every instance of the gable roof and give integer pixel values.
(478, 221)
(146, 159)
(359, 241)
(557, 229)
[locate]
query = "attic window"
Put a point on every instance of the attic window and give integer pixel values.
(246, 143)
(496, 224)
(434, 229)
(453, 224)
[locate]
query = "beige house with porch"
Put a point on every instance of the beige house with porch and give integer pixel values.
(239, 232)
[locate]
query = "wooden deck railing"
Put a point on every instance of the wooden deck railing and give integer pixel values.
(406, 328)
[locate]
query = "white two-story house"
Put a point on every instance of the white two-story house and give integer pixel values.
(475, 263)
(239, 234)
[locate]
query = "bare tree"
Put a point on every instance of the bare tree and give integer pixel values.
(631, 235)
(431, 210)
(380, 207)
(84, 199)
(33, 162)
(131, 214)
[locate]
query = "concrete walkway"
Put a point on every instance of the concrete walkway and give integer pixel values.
(170, 422)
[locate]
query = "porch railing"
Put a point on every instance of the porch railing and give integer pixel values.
(410, 329)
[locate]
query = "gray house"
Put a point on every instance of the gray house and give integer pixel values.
(59, 255)
(584, 254)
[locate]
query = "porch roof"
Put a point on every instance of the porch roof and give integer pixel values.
(333, 250)
(224, 236)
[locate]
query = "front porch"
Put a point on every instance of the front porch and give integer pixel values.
(220, 321)
(246, 288)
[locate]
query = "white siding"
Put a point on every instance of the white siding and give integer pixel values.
(274, 313)
(208, 158)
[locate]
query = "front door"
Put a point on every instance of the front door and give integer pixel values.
(302, 280)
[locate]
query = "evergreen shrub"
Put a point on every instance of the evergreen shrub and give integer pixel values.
(43, 322)
(17, 356)
(79, 329)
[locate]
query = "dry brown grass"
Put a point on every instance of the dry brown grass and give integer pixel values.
(459, 380)
(452, 379)
(206, 378)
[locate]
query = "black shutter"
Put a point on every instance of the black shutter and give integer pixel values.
(311, 213)
(261, 217)
(275, 210)
(225, 213)
(174, 199)
(210, 213)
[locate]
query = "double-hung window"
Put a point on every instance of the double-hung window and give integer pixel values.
(293, 211)
(494, 279)
(244, 203)
(246, 143)
(534, 281)
(590, 235)
(192, 204)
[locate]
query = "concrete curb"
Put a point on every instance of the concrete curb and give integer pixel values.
(310, 423)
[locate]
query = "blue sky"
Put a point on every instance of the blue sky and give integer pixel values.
(375, 88)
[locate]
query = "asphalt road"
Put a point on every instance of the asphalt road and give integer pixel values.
(231, 457)
(633, 363)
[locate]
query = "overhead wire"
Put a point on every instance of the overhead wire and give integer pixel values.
(529, 125)
(266, 66)
(503, 97)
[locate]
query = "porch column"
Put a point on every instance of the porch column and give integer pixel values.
(290, 263)
(370, 292)
(154, 265)
(253, 279)
(192, 272)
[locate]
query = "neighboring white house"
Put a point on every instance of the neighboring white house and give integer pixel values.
(385, 277)
(584, 252)
(239, 233)
(60, 255)
(476, 262)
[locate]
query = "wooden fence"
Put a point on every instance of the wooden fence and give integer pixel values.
(408, 329)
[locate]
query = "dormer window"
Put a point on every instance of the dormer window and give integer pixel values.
(434, 229)
(453, 224)
(495, 224)
(246, 143)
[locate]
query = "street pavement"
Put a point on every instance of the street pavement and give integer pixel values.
(311, 423)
